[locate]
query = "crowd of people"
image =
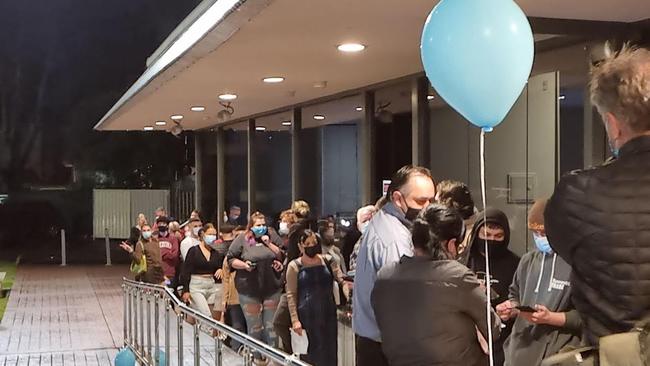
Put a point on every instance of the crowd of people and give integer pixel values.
(415, 262)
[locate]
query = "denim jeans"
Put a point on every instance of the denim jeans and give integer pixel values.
(259, 317)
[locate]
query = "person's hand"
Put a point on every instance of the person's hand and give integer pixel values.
(346, 290)
(297, 327)
(543, 316)
(126, 247)
(186, 297)
(277, 266)
(249, 266)
(506, 310)
(218, 274)
(266, 239)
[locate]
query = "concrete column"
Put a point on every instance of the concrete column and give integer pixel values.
(251, 165)
(296, 128)
(420, 121)
(198, 171)
(221, 175)
(367, 182)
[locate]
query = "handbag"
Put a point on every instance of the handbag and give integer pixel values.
(141, 267)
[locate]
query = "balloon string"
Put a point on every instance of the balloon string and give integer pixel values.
(488, 277)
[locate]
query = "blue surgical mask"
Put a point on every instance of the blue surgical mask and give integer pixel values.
(146, 235)
(259, 231)
(209, 239)
(541, 242)
(364, 227)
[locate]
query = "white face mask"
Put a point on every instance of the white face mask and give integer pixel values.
(195, 230)
(284, 228)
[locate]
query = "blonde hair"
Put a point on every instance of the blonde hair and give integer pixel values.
(288, 216)
(621, 85)
(301, 209)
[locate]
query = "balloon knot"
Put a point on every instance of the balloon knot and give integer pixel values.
(487, 129)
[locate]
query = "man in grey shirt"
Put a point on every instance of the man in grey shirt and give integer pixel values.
(385, 241)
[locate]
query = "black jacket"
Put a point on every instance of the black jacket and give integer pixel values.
(427, 310)
(598, 221)
(503, 265)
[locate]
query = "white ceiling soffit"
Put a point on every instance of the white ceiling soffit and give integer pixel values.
(297, 39)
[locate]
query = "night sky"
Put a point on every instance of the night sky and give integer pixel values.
(63, 63)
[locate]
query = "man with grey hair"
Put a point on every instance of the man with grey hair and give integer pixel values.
(598, 220)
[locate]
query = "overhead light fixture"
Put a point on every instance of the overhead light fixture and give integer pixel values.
(319, 117)
(177, 117)
(286, 123)
(148, 128)
(160, 123)
(273, 79)
(562, 97)
(430, 97)
(351, 47)
(197, 108)
(358, 109)
(228, 97)
(260, 128)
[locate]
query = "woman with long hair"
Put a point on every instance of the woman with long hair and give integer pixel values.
(201, 274)
(431, 310)
(311, 300)
(147, 246)
(257, 258)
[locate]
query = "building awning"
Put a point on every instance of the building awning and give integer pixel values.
(230, 46)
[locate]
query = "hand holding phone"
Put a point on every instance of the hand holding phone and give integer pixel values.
(525, 309)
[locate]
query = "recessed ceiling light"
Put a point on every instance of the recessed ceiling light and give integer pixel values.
(160, 123)
(286, 123)
(430, 97)
(228, 96)
(260, 128)
(273, 79)
(148, 128)
(197, 108)
(351, 47)
(358, 109)
(177, 117)
(319, 117)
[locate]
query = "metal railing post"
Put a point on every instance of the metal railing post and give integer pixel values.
(168, 307)
(148, 349)
(64, 261)
(197, 344)
(218, 351)
(134, 310)
(141, 311)
(126, 316)
(156, 330)
(108, 248)
(180, 337)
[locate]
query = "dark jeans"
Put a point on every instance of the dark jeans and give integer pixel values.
(282, 324)
(235, 318)
(369, 353)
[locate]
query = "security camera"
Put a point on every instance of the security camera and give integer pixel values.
(177, 129)
(227, 111)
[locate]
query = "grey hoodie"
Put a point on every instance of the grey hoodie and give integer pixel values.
(542, 279)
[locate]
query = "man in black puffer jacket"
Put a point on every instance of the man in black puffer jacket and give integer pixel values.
(598, 220)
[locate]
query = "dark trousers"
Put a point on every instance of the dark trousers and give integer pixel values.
(369, 353)
(235, 318)
(282, 324)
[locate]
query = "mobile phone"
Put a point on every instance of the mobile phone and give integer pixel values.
(525, 309)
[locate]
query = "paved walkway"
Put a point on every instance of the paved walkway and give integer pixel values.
(73, 316)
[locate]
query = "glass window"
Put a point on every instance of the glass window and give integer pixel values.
(236, 168)
(272, 146)
(329, 151)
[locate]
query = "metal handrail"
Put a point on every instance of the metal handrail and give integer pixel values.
(135, 295)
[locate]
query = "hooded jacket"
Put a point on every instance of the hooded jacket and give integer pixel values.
(542, 279)
(503, 265)
(598, 220)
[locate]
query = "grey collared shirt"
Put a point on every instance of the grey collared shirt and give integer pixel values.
(386, 240)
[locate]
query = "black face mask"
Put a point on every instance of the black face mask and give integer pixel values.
(497, 248)
(162, 229)
(412, 213)
(311, 252)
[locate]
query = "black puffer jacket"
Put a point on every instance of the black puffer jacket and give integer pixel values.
(598, 221)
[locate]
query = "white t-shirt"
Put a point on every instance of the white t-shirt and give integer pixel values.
(186, 244)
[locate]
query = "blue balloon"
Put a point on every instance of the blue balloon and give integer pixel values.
(478, 55)
(125, 357)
